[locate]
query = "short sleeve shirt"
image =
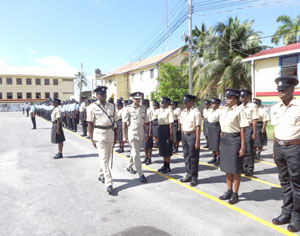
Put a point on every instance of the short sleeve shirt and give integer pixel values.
(206, 112)
(232, 119)
(286, 120)
(165, 116)
(190, 119)
(251, 111)
(154, 114)
(176, 113)
(214, 116)
(82, 107)
(56, 113)
(263, 115)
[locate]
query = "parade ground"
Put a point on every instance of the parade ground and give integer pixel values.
(43, 196)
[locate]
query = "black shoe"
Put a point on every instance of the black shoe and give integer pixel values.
(185, 180)
(118, 151)
(281, 220)
(148, 162)
(226, 195)
(131, 171)
(194, 182)
(234, 198)
(143, 179)
(249, 173)
(294, 226)
(206, 146)
(101, 179)
(83, 135)
(88, 137)
(212, 161)
(58, 155)
(121, 150)
(166, 170)
(155, 145)
(110, 189)
(145, 160)
(217, 163)
(161, 169)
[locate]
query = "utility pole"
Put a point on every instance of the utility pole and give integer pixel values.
(167, 25)
(80, 79)
(190, 9)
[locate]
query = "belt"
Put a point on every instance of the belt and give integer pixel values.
(231, 134)
(103, 127)
(287, 142)
(188, 132)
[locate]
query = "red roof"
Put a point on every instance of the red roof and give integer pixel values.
(269, 52)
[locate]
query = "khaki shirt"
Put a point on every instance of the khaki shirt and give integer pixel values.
(233, 119)
(165, 116)
(149, 114)
(135, 118)
(286, 120)
(206, 112)
(99, 118)
(176, 113)
(214, 116)
(119, 114)
(263, 115)
(82, 107)
(154, 114)
(56, 113)
(190, 119)
(251, 111)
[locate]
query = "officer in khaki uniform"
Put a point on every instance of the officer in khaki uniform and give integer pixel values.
(176, 125)
(82, 115)
(136, 117)
(101, 116)
(190, 121)
(205, 114)
(285, 116)
(251, 113)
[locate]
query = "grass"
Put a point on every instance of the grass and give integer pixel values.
(270, 131)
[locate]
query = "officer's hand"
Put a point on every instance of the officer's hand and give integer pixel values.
(197, 145)
(124, 139)
(242, 152)
(171, 138)
(263, 131)
(58, 132)
(253, 136)
(94, 144)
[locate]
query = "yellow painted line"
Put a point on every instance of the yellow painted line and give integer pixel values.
(224, 203)
(232, 207)
(266, 162)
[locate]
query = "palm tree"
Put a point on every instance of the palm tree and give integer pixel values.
(80, 80)
(222, 53)
(289, 31)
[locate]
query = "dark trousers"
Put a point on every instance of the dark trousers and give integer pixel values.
(191, 156)
(83, 123)
(33, 121)
(249, 149)
(74, 124)
(287, 160)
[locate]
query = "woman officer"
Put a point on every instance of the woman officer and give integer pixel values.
(154, 115)
(57, 134)
(232, 149)
(165, 133)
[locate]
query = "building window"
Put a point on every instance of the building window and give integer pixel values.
(55, 82)
(28, 95)
(19, 95)
(0, 80)
(47, 95)
(109, 82)
(47, 82)
(289, 66)
(37, 81)
(132, 77)
(8, 80)
(19, 81)
(37, 95)
(55, 95)
(28, 81)
(141, 75)
(1, 96)
(9, 95)
(151, 73)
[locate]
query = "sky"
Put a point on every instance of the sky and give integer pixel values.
(106, 34)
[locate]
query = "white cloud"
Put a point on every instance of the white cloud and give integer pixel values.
(57, 64)
(2, 63)
(31, 51)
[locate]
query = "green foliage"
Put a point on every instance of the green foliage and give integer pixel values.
(173, 82)
(289, 31)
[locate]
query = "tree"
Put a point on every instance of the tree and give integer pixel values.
(289, 31)
(220, 63)
(173, 82)
(80, 80)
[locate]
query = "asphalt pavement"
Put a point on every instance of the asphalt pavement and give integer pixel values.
(43, 196)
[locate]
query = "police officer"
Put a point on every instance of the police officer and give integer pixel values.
(214, 130)
(154, 116)
(32, 113)
(136, 116)
(205, 114)
(101, 118)
(251, 112)
(74, 114)
(69, 118)
(57, 134)
(165, 133)
(232, 148)
(285, 116)
(148, 135)
(82, 115)
(261, 134)
(190, 122)
(119, 126)
(176, 125)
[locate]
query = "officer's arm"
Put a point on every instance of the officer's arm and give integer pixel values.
(197, 142)
(91, 129)
(242, 150)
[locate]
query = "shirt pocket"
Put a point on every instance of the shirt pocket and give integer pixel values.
(98, 114)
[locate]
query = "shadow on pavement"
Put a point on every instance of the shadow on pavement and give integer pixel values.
(83, 155)
(262, 195)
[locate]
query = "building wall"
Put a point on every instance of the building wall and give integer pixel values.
(65, 88)
(122, 86)
(111, 84)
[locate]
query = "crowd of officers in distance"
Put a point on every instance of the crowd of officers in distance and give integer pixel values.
(234, 132)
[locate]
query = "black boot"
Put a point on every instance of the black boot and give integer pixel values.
(234, 198)
(167, 169)
(161, 169)
(121, 149)
(217, 163)
(145, 160)
(226, 195)
(148, 162)
(213, 160)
